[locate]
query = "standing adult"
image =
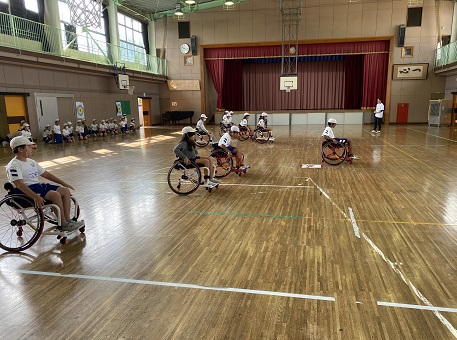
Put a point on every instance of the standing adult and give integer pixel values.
(378, 113)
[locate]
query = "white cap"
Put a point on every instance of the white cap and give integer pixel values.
(20, 140)
(264, 114)
(203, 116)
(69, 123)
(78, 121)
(25, 124)
(57, 120)
(103, 120)
(188, 129)
(231, 113)
(226, 112)
(246, 114)
(332, 121)
(235, 129)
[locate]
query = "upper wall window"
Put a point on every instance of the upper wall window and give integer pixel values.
(31, 5)
(5, 1)
(414, 17)
(131, 39)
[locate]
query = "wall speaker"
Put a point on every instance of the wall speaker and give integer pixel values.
(193, 44)
(401, 35)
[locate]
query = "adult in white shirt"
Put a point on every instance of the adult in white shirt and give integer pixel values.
(378, 113)
(23, 174)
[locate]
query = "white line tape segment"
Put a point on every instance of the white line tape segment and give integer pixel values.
(354, 223)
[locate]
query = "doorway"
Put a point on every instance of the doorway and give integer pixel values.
(454, 109)
(145, 110)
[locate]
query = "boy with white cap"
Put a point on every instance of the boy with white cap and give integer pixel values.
(201, 129)
(57, 132)
(225, 142)
(80, 133)
(23, 174)
(328, 135)
(94, 128)
(47, 134)
(263, 125)
(244, 124)
(26, 132)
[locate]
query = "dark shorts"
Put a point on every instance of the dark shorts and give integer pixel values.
(195, 159)
(57, 138)
(40, 188)
(231, 148)
(342, 140)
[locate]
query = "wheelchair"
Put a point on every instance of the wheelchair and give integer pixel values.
(259, 135)
(224, 163)
(201, 139)
(185, 179)
(223, 129)
(22, 223)
(334, 153)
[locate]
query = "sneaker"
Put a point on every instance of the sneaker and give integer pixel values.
(354, 156)
(373, 131)
(72, 225)
(271, 138)
(244, 167)
(215, 181)
(379, 132)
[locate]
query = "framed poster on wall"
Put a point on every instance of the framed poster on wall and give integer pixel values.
(410, 71)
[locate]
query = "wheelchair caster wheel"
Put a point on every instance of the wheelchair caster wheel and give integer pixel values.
(210, 190)
(19, 233)
(59, 237)
(82, 229)
(63, 240)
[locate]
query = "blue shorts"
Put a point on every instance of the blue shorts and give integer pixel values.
(57, 138)
(194, 158)
(41, 189)
(342, 140)
(231, 148)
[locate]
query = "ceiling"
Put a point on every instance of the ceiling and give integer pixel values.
(162, 8)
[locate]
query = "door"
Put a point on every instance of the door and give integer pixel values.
(47, 111)
(402, 112)
(146, 109)
(454, 110)
(16, 111)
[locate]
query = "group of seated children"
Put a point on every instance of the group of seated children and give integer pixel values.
(82, 131)
(262, 124)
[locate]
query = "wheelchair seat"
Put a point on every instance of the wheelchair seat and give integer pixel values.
(10, 189)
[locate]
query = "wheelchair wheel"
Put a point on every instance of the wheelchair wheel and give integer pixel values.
(224, 163)
(333, 154)
(184, 179)
(201, 140)
(21, 223)
(244, 133)
(261, 136)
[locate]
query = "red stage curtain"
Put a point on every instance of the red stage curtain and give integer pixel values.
(353, 83)
(216, 71)
(232, 92)
(320, 86)
(374, 78)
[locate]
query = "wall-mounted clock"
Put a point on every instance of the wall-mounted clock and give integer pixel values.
(184, 48)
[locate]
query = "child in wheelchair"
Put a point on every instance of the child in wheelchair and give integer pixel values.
(244, 124)
(262, 125)
(328, 135)
(23, 173)
(201, 129)
(225, 142)
(186, 150)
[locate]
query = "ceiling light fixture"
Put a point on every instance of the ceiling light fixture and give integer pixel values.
(179, 14)
(229, 5)
(190, 2)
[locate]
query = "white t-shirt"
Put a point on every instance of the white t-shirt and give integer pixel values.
(379, 110)
(94, 127)
(56, 129)
(225, 140)
(26, 134)
(28, 171)
(80, 128)
(65, 132)
(328, 132)
(201, 126)
(261, 123)
(47, 133)
(244, 122)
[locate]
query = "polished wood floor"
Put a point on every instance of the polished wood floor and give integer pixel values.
(359, 251)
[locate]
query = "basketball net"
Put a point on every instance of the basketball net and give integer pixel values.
(288, 89)
(85, 13)
(130, 90)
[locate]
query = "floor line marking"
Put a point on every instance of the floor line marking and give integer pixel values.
(426, 133)
(405, 153)
(327, 196)
(354, 223)
(178, 285)
(406, 305)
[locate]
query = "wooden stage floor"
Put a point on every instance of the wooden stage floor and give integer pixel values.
(358, 251)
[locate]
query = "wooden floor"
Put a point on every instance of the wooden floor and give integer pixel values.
(358, 251)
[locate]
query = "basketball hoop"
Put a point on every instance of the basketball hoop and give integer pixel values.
(85, 13)
(130, 90)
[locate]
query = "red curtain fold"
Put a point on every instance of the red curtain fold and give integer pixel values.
(216, 71)
(353, 81)
(232, 92)
(374, 78)
(320, 86)
(356, 47)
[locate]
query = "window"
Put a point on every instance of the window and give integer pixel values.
(131, 39)
(31, 5)
(74, 37)
(414, 17)
(4, 1)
